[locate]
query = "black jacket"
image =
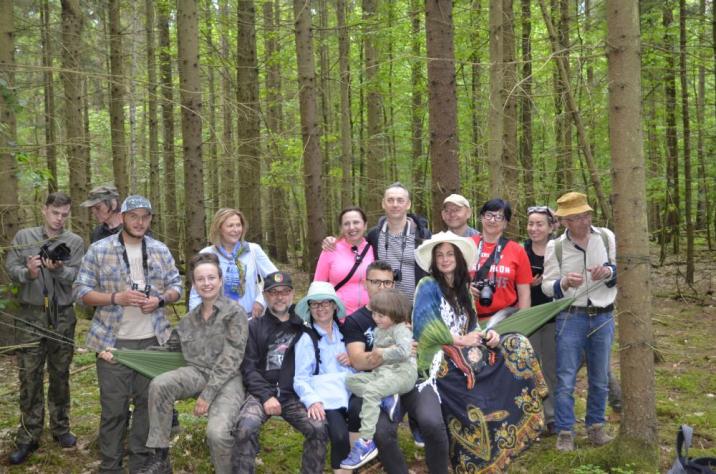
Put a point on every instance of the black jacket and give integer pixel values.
(265, 383)
(422, 232)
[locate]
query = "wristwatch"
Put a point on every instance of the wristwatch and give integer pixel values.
(161, 302)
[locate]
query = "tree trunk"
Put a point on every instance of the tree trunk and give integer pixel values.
(564, 129)
(476, 194)
(375, 150)
(249, 138)
(133, 150)
(227, 171)
(526, 104)
(687, 144)
(191, 112)
(309, 132)
(171, 226)
(495, 116)
(9, 208)
(116, 102)
(346, 123)
(442, 102)
(154, 171)
(510, 165)
(417, 113)
(703, 207)
(673, 195)
(77, 152)
(278, 242)
(325, 105)
(636, 337)
(49, 96)
(211, 163)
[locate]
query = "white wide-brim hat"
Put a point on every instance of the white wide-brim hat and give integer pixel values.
(319, 291)
(424, 253)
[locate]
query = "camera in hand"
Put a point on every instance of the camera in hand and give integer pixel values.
(59, 253)
(144, 288)
(486, 289)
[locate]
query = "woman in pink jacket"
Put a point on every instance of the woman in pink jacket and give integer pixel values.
(345, 267)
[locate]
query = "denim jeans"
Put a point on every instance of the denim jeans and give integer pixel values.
(577, 332)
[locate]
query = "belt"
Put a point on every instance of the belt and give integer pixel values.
(592, 310)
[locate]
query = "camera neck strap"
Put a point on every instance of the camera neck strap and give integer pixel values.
(145, 259)
(484, 269)
(406, 230)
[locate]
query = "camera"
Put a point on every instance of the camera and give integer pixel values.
(397, 275)
(138, 287)
(487, 290)
(59, 253)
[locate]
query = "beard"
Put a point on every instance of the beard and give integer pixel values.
(133, 234)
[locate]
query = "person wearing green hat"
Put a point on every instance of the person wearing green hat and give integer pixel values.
(322, 365)
(103, 202)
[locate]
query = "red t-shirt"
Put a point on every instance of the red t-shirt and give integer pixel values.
(513, 269)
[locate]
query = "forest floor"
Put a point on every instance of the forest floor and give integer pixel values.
(684, 323)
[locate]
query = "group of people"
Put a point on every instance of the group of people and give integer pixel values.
(396, 321)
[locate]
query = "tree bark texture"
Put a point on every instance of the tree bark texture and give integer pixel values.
(152, 120)
(116, 102)
(687, 144)
(344, 53)
(442, 102)
(227, 170)
(312, 159)
(495, 116)
(49, 96)
(673, 194)
(526, 104)
(191, 112)
(636, 337)
(77, 151)
(417, 113)
(248, 137)
(510, 166)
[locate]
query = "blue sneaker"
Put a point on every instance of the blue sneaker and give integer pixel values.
(391, 406)
(418, 438)
(362, 452)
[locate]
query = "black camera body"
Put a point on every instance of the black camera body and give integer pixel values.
(59, 253)
(487, 290)
(147, 288)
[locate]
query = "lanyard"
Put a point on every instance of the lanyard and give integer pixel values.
(494, 257)
(406, 229)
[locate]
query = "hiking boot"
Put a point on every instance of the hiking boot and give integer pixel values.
(159, 463)
(549, 430)
(66, 440)
(597, 435)
(391, 406)
(362, 452)
(565, 441)
(22, 452)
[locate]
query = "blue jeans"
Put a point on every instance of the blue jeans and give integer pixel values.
(576, 333)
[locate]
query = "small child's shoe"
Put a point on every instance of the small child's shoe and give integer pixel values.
(362, 452)
(391, 406)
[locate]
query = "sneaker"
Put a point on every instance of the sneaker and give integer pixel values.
(417, 438)
(565, 441)
(362, 452)
(597, 435)
(391, 406)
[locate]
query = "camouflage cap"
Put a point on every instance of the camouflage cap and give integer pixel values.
(136, 201)
(275, 279)
(106, 192)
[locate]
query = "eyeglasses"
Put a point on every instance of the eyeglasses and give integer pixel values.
(276, 292)
(325, 304)
(493, 216)
(383, 283)
(580, 217)
(358, 256)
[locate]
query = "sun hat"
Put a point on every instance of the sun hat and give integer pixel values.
(136, 201)
(572, 203)
(424, 253)
(319, 291)
(458, 200)
(275, 279)
(106, 192)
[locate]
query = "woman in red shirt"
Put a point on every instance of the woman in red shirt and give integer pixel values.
(503, 269)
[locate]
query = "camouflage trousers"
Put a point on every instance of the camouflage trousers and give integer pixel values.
(31, 366)
(253, 416)
(188, 382)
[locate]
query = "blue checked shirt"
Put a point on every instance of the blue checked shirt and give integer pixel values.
(103, 269)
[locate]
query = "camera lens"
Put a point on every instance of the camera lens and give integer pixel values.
(486, 295)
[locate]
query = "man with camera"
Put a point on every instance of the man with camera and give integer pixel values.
(128, 277)
(43, 261)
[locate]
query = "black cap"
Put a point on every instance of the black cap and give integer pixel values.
(275, 279)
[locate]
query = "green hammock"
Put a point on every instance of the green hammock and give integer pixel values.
(149, 363)
(527, 321)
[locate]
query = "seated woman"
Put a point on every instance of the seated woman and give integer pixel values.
(490, 390)
(322, 365)
(212, 338)
(241, 262)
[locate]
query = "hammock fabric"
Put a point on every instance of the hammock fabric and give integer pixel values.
(149, 363)
(527, 321)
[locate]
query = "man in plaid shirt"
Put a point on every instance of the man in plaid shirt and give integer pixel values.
(129, 277)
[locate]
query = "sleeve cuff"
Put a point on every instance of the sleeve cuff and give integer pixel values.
(612, 281)
(558, 293)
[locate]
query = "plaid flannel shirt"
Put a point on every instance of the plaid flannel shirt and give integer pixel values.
(103, 269)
